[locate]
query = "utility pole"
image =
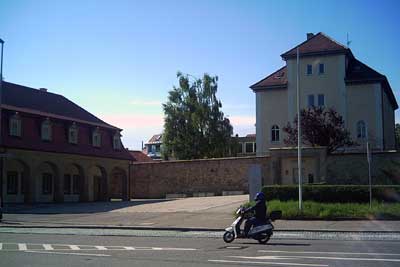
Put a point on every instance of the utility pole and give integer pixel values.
(299, 167)
(1, 129)
(369, 169)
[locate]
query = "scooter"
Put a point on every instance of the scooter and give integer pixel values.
(262, 233)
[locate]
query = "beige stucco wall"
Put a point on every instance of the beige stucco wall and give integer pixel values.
(34, 163)
(271, 109)
(388, 123)
(364, 103)
(330, 84)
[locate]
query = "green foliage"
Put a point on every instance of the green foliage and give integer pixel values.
(333, 193)
(194, 125)
(319, 127)
(328, 211)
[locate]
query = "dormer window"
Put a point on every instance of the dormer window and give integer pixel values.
(96, 137)
(117, 141)
(73, 134)
(46, 131)
(15, 125)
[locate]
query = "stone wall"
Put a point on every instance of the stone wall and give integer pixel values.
(156, 179)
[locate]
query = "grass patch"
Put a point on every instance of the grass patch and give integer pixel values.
(331, 211)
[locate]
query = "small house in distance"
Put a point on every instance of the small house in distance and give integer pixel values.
(153, 147)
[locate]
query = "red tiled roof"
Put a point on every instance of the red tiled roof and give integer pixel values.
(49, 104)
(251, 135)
(319, 43)
(139, 156)
(358, 72)
(277, 79)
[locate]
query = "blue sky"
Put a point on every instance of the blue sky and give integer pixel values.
(118, 59)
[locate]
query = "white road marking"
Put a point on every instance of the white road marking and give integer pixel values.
(22, 246)
(47, 247)
(270, 263)
(1, 246)
(101, 247)
(74, 247)
(330, 252)
(129, 248)
(65, 253)
(315, 258)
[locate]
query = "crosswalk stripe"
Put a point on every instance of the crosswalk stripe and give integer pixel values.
(74, 247)
(1, 246)
(101, 247)
(47, 247)
(22, 246)
(129, 248)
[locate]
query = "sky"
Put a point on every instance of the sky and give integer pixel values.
(118, 59)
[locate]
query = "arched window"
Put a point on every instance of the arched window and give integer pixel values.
(117, 141)
(73, 134)
(361, 130)
(46, 132)
(275, 133)
(96, 137)
(15, 125)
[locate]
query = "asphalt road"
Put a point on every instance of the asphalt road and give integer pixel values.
(83, 250)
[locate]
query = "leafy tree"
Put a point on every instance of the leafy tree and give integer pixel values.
(319, 127)
(397, 133)
(194, 125)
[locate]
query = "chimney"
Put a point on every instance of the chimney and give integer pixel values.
(43, 90)
(309, 35)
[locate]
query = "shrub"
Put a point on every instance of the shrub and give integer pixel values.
(333, 193)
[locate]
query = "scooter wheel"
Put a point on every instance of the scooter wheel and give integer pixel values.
(228, 237)
(264, 239)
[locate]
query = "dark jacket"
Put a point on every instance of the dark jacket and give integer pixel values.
(260, 209)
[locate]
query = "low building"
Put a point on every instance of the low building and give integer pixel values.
(56, 151)
(246, 145)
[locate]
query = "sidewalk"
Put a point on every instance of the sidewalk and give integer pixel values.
(208, 213)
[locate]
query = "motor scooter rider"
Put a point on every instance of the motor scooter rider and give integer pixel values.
(260, 216)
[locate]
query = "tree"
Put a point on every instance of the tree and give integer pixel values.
(319, 127)
(397, 133)
(194, 125)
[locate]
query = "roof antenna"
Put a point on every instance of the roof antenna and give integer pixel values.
(348, 41)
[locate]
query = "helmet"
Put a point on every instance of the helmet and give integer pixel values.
(259, 196)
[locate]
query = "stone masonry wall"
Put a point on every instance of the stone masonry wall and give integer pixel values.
(156, 179)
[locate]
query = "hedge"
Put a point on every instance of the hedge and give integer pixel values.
(334, 193)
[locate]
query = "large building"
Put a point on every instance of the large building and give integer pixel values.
(55, 151)
(329, 76)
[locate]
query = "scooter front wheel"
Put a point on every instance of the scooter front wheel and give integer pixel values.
(228, 237)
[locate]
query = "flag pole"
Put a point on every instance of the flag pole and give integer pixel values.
(299, 167)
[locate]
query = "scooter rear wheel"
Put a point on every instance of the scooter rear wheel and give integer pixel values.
(228, 237)
(264, 239)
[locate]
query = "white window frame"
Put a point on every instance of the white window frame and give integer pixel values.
(323, 95)
(308, 100)
(252, 147)
(319, 69)
(46, 135)
(309, 74)
(96, 138)
(73, 129)
(15, 125)
(275, 132)
(361, 128)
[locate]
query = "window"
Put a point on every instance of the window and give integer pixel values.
(73, 134)
(240, 148)
(311, 101)
(153, 148)
(47, 183)
(158, 148)
(361, 130)
(321, 69)
(76, 184)
(46, 130)
(12, 183)
(117, 141)
(67, 184)
(309, 69)
(15, 125)
(321, 100)
(96, 138)
(249, 147)
(275, 133)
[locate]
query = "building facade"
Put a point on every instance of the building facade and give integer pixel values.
(153, 147)
(329, 76)
(246, 145)
(55, 151)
